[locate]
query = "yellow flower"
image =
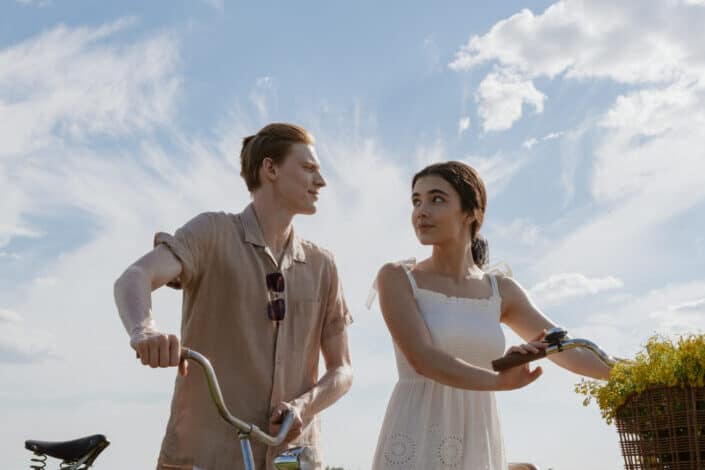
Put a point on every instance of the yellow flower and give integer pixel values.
(661, 363)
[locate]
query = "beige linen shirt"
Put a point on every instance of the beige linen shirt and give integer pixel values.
(259, 364)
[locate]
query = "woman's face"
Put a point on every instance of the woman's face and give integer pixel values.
(438, 216)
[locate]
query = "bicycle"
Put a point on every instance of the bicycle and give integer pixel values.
(80, 454)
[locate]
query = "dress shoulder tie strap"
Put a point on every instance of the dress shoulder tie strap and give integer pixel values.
(495, 289)
(412, 281)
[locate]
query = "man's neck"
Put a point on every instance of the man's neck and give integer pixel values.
(275, 222)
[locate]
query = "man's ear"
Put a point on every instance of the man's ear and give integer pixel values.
(269, 170)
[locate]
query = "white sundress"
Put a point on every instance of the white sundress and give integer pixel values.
(431, 426)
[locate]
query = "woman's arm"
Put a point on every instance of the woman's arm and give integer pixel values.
(411, 335)
(521, 315)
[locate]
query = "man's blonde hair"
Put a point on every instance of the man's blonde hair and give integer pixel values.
(272, 141)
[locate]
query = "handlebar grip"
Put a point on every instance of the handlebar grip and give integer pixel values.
(516, 359)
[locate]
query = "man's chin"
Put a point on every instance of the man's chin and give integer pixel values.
(308, 210)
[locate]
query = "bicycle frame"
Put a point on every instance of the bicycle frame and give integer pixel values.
(294, 459)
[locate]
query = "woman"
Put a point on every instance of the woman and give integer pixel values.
(444, 315)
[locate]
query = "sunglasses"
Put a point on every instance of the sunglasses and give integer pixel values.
(276, 305)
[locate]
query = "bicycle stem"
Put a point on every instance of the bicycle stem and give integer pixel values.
(243, 428)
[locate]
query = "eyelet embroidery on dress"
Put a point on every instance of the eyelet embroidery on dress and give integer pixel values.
(400, 449)
(450, 452)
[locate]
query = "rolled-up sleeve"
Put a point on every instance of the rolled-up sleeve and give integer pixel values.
(191, 245)
(337, 315)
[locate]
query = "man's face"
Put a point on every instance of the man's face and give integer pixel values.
(299, 179)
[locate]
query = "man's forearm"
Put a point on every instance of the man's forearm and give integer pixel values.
(330, 388)
(133, 297)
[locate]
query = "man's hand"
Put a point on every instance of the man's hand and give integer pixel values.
(275, 421)
(156, 349)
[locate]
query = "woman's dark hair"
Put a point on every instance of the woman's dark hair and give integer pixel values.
(473, 200)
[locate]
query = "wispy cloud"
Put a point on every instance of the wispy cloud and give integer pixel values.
(39, 3)
(70, 83)
(560, 287)
(264, 97)
(519, 230)
(497, 171)
(65, 86)
(8, 316)
(20, 344)
(217, 4)
(531, 142)
(463, 124)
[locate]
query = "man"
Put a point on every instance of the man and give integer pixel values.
(258, 301)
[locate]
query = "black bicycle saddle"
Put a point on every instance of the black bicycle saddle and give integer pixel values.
(67, 450)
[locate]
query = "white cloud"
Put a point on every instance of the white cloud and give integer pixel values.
(531, 142)
(636, 188)
(264, 97)
(520, 230)
(501, 97)
(670, 311)
(463, 124)
(496, 171)
(66, 85)
(560, 287)
(576, 39)
(20, 344)
(69, 83)
(8, 231)
(683, 317)
(8, 316)
(217, 4)
(427, 154)
(644, 126)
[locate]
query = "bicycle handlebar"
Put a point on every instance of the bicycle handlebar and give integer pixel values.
(558, 344)
(217, 396)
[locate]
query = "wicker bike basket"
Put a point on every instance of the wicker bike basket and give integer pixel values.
(663, 428)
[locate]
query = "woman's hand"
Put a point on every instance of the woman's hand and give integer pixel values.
(533, 346)
(521, 376)
(517, 377)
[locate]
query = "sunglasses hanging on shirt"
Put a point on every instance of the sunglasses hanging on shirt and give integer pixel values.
(276, 305)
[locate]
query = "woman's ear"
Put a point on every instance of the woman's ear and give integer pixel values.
(469, 218)
(478, 216)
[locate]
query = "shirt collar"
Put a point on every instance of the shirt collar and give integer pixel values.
(253, 235)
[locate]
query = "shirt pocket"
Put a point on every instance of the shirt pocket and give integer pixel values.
(304, 328)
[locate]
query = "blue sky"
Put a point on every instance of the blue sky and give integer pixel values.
(118, 120)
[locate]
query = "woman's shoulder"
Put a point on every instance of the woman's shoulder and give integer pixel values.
(509, 288)
(398, 266)
(394, 270)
